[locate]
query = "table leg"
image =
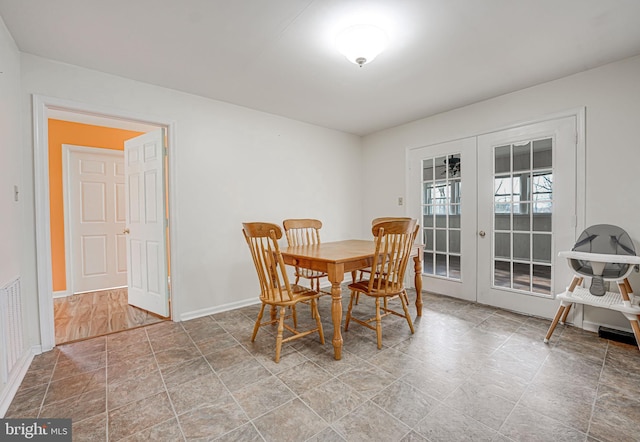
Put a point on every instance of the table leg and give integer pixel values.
(336, 275)
(417, 266)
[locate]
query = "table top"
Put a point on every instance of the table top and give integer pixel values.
(335, 252)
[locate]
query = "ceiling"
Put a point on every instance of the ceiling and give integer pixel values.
(279, 56)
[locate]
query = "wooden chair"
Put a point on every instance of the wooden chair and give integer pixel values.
(304, 232)
(368, 269)
(394, 241)
(275, 289)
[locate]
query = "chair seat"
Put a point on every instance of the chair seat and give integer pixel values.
(362, 286)
(299, 293)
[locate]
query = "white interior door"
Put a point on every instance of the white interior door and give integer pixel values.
(147, 222)
(443, 197)
(526, 214)
(96, 218)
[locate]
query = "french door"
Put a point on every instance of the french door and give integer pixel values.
(496, 209)
(526, 215)
(443, 198)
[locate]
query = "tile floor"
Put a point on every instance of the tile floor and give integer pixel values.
(470, 372)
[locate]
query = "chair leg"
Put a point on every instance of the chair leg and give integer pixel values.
(636, 329)
(566, 313)
(404, 299)
(257, 326)
(280, 333)
(313, 313)
(378, 324)
(554, 323)
(294, 316)
(317, 289)
(348, 318)
(577, 280)
(314, 308)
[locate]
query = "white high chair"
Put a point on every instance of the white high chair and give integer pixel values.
(603, 253)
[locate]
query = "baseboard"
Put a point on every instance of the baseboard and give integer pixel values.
(61, 294)
(9, 391)
(218, 309)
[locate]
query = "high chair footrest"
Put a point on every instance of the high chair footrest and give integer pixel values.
(610, 300)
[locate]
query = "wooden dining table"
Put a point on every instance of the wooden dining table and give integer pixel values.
(340, 257)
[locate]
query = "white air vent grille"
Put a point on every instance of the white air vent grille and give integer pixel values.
(10, 328)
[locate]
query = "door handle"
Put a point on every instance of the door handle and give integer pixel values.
(481, 233)
(126, 231)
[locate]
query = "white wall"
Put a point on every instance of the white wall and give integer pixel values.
(11, 245)
(232, 165)
(611, 95)
(10, 164)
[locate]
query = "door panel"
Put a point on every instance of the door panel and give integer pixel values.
(96, 221)
(146, 240)
(527, 209)
(442, 197)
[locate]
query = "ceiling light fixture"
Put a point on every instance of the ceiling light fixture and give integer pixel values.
(362, 43)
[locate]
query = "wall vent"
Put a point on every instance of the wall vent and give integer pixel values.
(10, 328)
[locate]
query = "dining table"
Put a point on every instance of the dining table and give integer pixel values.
(338, 258)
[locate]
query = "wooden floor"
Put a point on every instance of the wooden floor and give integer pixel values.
(87, 315)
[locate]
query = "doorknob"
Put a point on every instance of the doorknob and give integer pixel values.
(126, 231)
(481, 233)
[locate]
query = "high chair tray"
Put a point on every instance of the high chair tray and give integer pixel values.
(601, 257)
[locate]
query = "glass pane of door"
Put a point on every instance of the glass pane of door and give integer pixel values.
(441, 209)
(522, 205)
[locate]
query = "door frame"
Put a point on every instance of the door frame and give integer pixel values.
(580, 114)
(40, 106)
(67, 151)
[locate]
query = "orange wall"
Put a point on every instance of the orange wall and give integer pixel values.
(65, 132)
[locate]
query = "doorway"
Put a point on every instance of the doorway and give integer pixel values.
(496, 209)
(45, 108)
(98, 299)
